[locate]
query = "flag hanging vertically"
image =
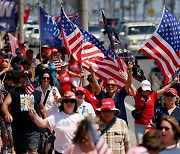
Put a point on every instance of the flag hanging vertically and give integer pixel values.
(13, 43)
(89, 51)
(49, 30)
(164, 45)
(113, 37)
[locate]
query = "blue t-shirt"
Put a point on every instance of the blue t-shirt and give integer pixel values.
(174, 150)
(119, 101)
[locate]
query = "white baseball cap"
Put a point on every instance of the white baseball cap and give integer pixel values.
(146, 85)
(64, 63)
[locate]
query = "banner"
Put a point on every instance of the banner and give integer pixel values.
(49, 30)
(7, 16)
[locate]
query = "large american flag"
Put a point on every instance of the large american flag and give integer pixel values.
(88, 50)
(164, 45)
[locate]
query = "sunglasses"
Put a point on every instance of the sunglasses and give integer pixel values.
(69, 101)
(46, 78)
(79, 93)
(169, 95)
(166, 128)
(112, 85)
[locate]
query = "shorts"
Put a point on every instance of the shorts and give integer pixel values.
(3, 128)
(6, 129)
(26, 140)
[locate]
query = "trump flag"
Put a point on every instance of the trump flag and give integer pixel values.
(7, 15)
(49, 30)
(164, 45)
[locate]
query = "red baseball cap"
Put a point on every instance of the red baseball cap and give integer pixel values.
(21, 42)
(107, 80)
(80, 89)
(172, 91)
(108, 103)
(54, 50)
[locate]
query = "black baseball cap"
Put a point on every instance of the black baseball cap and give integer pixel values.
(18, 50)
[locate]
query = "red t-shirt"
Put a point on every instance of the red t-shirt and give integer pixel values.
(91, 98)
(148, 112)
(65, 82)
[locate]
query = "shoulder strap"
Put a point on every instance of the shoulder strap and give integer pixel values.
(144, 104)
(108, 126)
(45, 99)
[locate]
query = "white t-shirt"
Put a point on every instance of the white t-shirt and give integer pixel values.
(64, 126)
(86, 109)
(51, 106)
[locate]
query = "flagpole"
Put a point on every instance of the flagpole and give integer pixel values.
(146, 34)
(40, 53)
(108, 33)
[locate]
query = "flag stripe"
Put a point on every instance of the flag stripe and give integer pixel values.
(105, 71)
(168, 54)
(157, 52)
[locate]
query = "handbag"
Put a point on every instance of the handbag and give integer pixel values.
(136, 114)
(47, 138)
(46, 143)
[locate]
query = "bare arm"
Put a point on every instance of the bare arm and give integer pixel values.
(161, 91)
(94, 81)
(38, 120)
(5, 110)
(42, 110)
(129, 79)
(133, 90)
(72, 74)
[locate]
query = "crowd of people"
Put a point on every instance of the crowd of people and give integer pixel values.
(60, 103)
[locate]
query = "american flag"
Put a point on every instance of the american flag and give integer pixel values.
(164, 45)
(99, 142)
(57, 62)
(88, 50)
(29, 86)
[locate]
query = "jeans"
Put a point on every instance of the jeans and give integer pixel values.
(139, 131)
